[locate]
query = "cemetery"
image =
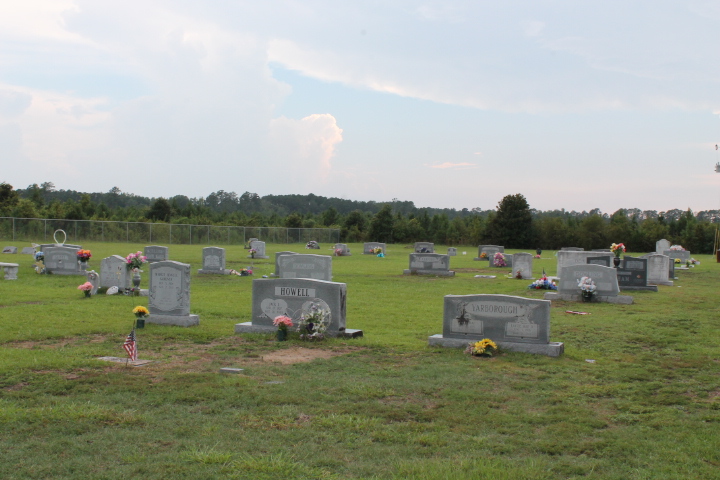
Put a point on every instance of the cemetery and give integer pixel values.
(575, 386)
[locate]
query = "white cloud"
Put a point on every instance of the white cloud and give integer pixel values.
(307, 144)
(452, 165)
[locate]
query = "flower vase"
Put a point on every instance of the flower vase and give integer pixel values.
(587, 297)
(282, 335)
(616, 262)
(88, 293)
(140, 323)
(136, 280)
(83, 266)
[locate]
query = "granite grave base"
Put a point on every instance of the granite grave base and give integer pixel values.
(448, 273)
(248, 327)
(649, 288)
(177, 320)
(569, 297)
(214, 272)
(552, 349)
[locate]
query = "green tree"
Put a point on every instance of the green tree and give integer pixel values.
(8, 198)
(593, 233)
(382, 224)
(512, 226)
(160, 210)
(293, 221)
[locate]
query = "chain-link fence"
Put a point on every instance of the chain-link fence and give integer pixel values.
(41, 230)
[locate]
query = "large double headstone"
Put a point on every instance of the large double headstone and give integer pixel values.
(272, 297)
(513, 323)
(368, 247)
(156, 253)
(304, 265)
(169, 294)
(429, 264)
(114, 272)
(213, 259)
(683, 255)
(62, 260)
(567, 258)
(604, 278)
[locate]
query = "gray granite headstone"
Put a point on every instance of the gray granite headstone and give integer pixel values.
(429, 264)
(9, 250)
(508, 260)
(156, 253)
(572, 249)
(272, 297)
(277, 256)
(566, 258)
(62, 261)
(28, 251)
(94, 279)
(513, 323)
(213, 259)
(452, 251)
(259, 246)
(522, 262)
(683, 255)
(341, 250)
(658, 270)
(632, 273)
(424, 247)
(605, 279)
(662, 245)
(605, 261)
(490, 250)
(114, 272)
(169, 294)
(671, 269)
(369, 246)
(305, 265)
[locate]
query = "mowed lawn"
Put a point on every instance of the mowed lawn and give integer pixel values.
(635, 396)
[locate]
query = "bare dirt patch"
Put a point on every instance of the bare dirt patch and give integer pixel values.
(294, 355)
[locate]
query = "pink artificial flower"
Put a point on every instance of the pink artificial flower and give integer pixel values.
(283, 320)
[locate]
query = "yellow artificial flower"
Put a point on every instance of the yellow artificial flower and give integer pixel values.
(140, 311)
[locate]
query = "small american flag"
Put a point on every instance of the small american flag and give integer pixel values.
(130, 346)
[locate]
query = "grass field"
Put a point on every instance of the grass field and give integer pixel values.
(382, 406)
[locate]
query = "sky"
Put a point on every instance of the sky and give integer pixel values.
(448, 103)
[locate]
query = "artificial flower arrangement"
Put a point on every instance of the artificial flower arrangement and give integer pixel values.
(252, 252)
(314, 322)
(86, 288)
(677, 248)
(245, 272)
(483, 255)
(40, 263)
(499, 260)
(537, 256)
(83, 255)
(376, 250)
(587, 288)
(338, 252)
(678, 261)
(282, 322)
(518, 275)
(617, 248)
(140, 314)
(482, 348)
(693, 262)
(312, 244)
(135, 260)
(543, 283)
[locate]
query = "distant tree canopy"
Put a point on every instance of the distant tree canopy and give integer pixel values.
(513, 224)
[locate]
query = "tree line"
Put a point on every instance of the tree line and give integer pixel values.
(512, 224)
